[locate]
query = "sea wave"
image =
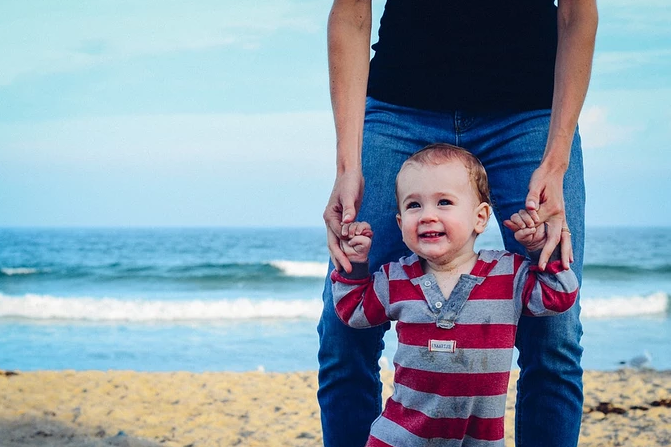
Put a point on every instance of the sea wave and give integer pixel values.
(209, 272)
(271, 270)
(600, 270)
(11, 271)
(46, 307)
(302, 269)
(625, 306)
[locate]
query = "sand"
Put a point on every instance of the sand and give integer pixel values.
(131, 409)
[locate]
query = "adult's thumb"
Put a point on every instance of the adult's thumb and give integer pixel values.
(348, 214)
(532, 201)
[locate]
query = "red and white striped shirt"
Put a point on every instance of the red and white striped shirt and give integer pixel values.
(454, 355)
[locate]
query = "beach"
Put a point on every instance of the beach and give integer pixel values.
(111, 337)
(182, 409)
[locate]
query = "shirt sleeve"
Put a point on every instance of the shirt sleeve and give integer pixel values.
(361, 300)
(548, 292)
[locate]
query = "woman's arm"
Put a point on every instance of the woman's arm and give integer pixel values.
(349, 28)
(577, 23)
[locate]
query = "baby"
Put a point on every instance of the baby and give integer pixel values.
(456, 310)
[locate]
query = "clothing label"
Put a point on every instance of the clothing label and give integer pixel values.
(442, 345)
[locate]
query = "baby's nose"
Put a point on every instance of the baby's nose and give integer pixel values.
(428, 215)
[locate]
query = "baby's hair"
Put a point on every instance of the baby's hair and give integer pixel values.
(439, 153)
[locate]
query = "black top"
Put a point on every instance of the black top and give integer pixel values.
(477, 55)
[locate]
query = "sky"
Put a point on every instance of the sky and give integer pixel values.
(216, 113)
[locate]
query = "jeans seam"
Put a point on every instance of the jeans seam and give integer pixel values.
(518, 416)
(375, 363)
(457, 130)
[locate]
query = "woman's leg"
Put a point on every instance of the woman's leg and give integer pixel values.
(349, 380)
(549, 399)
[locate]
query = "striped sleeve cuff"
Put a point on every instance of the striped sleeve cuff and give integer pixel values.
(359, 271)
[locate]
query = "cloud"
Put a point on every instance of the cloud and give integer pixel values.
(638, 4)
(598, 132)
(645, 17)
(618, 61)
(48, 37)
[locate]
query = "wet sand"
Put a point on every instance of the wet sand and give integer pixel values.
(132, 409)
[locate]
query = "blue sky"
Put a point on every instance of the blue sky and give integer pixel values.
(155, 113)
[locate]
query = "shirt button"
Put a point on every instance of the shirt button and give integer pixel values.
(439, 305)
(427, 283)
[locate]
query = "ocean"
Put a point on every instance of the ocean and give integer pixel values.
(241, 299)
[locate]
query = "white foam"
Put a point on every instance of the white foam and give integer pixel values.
(45, 307)
(625, 306)
(18, 271)
(302, 269)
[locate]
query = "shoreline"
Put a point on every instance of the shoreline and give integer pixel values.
(182, 409)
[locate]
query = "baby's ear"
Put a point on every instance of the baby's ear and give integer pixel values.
(482, 213)
(399, 220)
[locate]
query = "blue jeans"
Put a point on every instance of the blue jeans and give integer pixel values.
(510, 146)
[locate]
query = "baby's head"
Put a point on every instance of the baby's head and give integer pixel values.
(443, 204)
(439, 153)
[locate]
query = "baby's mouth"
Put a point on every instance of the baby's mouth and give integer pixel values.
(431, 235)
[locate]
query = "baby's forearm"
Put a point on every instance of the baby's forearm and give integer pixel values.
(550, 291)
(361, 299)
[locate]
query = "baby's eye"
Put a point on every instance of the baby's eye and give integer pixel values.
(412, 205)
(444, 202)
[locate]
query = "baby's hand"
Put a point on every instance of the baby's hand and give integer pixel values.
(527, 232)
(356, 241)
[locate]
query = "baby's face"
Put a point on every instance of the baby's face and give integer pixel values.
(440, 213)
